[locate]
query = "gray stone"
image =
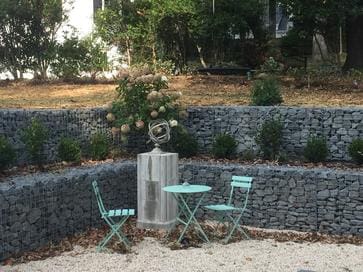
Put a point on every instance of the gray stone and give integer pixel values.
(34, 215)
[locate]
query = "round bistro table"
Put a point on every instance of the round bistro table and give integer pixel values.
(186, 214)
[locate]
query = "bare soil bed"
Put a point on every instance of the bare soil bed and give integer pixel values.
(197, 90)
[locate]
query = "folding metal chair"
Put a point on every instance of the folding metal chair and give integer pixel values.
(109, 217)
(226, 210)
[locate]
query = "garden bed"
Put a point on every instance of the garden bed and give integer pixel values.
(57, 167)
(197, 91)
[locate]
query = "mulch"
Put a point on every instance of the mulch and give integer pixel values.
(91, 237)
(60, 166)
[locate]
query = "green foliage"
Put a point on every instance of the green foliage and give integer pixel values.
(69, 150)
(312, 17)
(178, 30)
(99, 146)
(70, 59)
(248, 155)
(224, 146)
(183, 143)
(297, 45)
(356, 150)
(164, 67)
(96, 57)
(7, 153)
(15, 40)
(34, 138)
(271, 66)
(269, 138)
(27, 34)
(142, 98)
(316, 149)
(75, 57)
(266, 92)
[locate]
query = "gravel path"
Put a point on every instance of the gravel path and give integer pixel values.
(253, 255)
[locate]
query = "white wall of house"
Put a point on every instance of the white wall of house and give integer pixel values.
(80, 18)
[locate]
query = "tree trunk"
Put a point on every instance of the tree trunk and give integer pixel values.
(272, 18)
(128, 52)
(201, 58)
(354, 30)
(14, 73)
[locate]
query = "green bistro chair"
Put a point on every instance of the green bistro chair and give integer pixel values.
(227, 210)
(109, 216)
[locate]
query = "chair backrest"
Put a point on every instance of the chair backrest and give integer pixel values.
(240, 182)
(98, 197)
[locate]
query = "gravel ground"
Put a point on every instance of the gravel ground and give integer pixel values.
(253, 255)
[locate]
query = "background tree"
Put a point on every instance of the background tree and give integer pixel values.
(15, 36)
(47, 18)
(27, 34)
(325, 18)
(181, 30)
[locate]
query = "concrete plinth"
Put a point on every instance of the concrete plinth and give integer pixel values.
(156, 209)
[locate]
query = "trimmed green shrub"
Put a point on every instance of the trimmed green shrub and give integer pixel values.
(266, 92)
(99, 146)
(271, 66)
(316, 149)
(269, 138)
(183, 143)
(248, 155)
(7, 153)
(34, 138)
(282, 157)
(69, 150)
(224, 146)
(356, 150)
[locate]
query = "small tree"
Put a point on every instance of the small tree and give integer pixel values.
(266, 93)
(7, 153)
(316, 149)
(34, 137)
(269, 138)
(96, 57)
(224, 146)
(70, 59)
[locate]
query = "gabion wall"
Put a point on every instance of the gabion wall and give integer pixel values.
(322, 200)
(338, 125)
(77, 124)
(39, 208)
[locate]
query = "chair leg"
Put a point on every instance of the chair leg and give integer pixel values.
(235, 226)
(115, 230)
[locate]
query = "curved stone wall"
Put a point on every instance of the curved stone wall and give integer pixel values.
(36, 209)
(39, 208)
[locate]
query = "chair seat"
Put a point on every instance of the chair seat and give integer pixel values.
(221, 207)
(121, 212)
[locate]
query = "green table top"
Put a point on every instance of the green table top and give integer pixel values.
(187, 189)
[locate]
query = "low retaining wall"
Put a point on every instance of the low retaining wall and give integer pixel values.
(338, 125)
(36, 209)
(321, 200)
(77, 124)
